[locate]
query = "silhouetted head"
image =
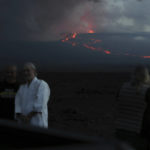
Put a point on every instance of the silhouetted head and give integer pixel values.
(11, 74)
(29, 70)
(141, 74)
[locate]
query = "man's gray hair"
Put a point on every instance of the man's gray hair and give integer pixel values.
(31, 65)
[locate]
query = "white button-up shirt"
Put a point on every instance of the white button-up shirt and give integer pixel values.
(34, 97)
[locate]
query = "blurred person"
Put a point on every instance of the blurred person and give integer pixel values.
(8, 90)
(32, 99)
(132, 107)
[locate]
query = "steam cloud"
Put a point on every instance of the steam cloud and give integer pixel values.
(42, 20)
(45, 20)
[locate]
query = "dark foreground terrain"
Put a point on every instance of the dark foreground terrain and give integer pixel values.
(84, 102)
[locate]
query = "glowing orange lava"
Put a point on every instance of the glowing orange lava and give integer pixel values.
(107, 52)
(89, 47)
(74, 35)
(91, 31)
(68, 37)
(92, 44)
(148, 57)
(94, 41)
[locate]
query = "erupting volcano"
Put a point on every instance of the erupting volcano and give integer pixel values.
(88, 27)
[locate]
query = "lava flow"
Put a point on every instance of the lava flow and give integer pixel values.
(146, 57)
(92, 44)
(68, 38)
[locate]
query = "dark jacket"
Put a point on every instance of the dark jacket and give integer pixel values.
(7, 99)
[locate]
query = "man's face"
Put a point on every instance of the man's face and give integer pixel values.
(29, 73)
(11, 74)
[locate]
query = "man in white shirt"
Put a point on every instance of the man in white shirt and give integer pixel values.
(32, 99)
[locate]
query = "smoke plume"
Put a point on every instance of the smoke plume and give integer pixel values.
(44, 20)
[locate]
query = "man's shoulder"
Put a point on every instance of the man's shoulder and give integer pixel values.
(41, 82)
(22, 86)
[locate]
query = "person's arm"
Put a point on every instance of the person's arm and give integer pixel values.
(18, 104)
(23, 118)
(43, 94)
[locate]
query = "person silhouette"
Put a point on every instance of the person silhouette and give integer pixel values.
(132, 104)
